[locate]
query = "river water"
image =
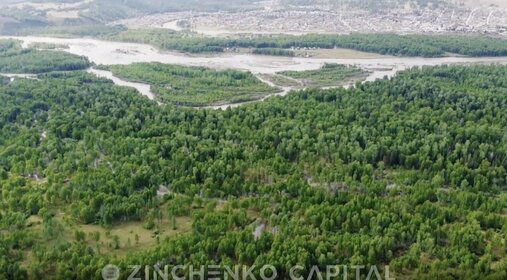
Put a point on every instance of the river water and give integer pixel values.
(144, 89)
(109, 53)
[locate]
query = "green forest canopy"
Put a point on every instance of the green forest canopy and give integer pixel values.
(390, 44)
(409, 172)
(194, 86)
(15, 59)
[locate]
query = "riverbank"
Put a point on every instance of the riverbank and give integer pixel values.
(107, 53)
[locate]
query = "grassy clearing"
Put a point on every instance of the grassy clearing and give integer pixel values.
(330, 75)
(117, 240)
(132, 236)
(281, 80)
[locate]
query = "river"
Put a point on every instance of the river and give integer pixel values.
(109, 53)
(144, 89)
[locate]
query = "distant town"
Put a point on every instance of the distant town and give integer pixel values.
(491, 19)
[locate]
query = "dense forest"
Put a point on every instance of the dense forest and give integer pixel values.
(389, 44)
(284, 45)
(194, 86)
(15, 59)
(4, 80)
(409, 172)
(274, 52)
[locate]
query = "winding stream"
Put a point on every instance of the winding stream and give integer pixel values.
(109, 53)
(144, 89)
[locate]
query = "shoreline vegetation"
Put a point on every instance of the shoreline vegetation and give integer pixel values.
(194, 86)
(329, 75)
(428, 45)
(385, 44)
(209, 88)
(15, 59)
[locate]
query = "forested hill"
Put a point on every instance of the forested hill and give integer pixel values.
(409, 172)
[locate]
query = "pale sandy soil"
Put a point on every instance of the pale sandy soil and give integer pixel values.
(50, 5)
(479, 3)
(339, 53)
(55, 11)
(63, 14)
